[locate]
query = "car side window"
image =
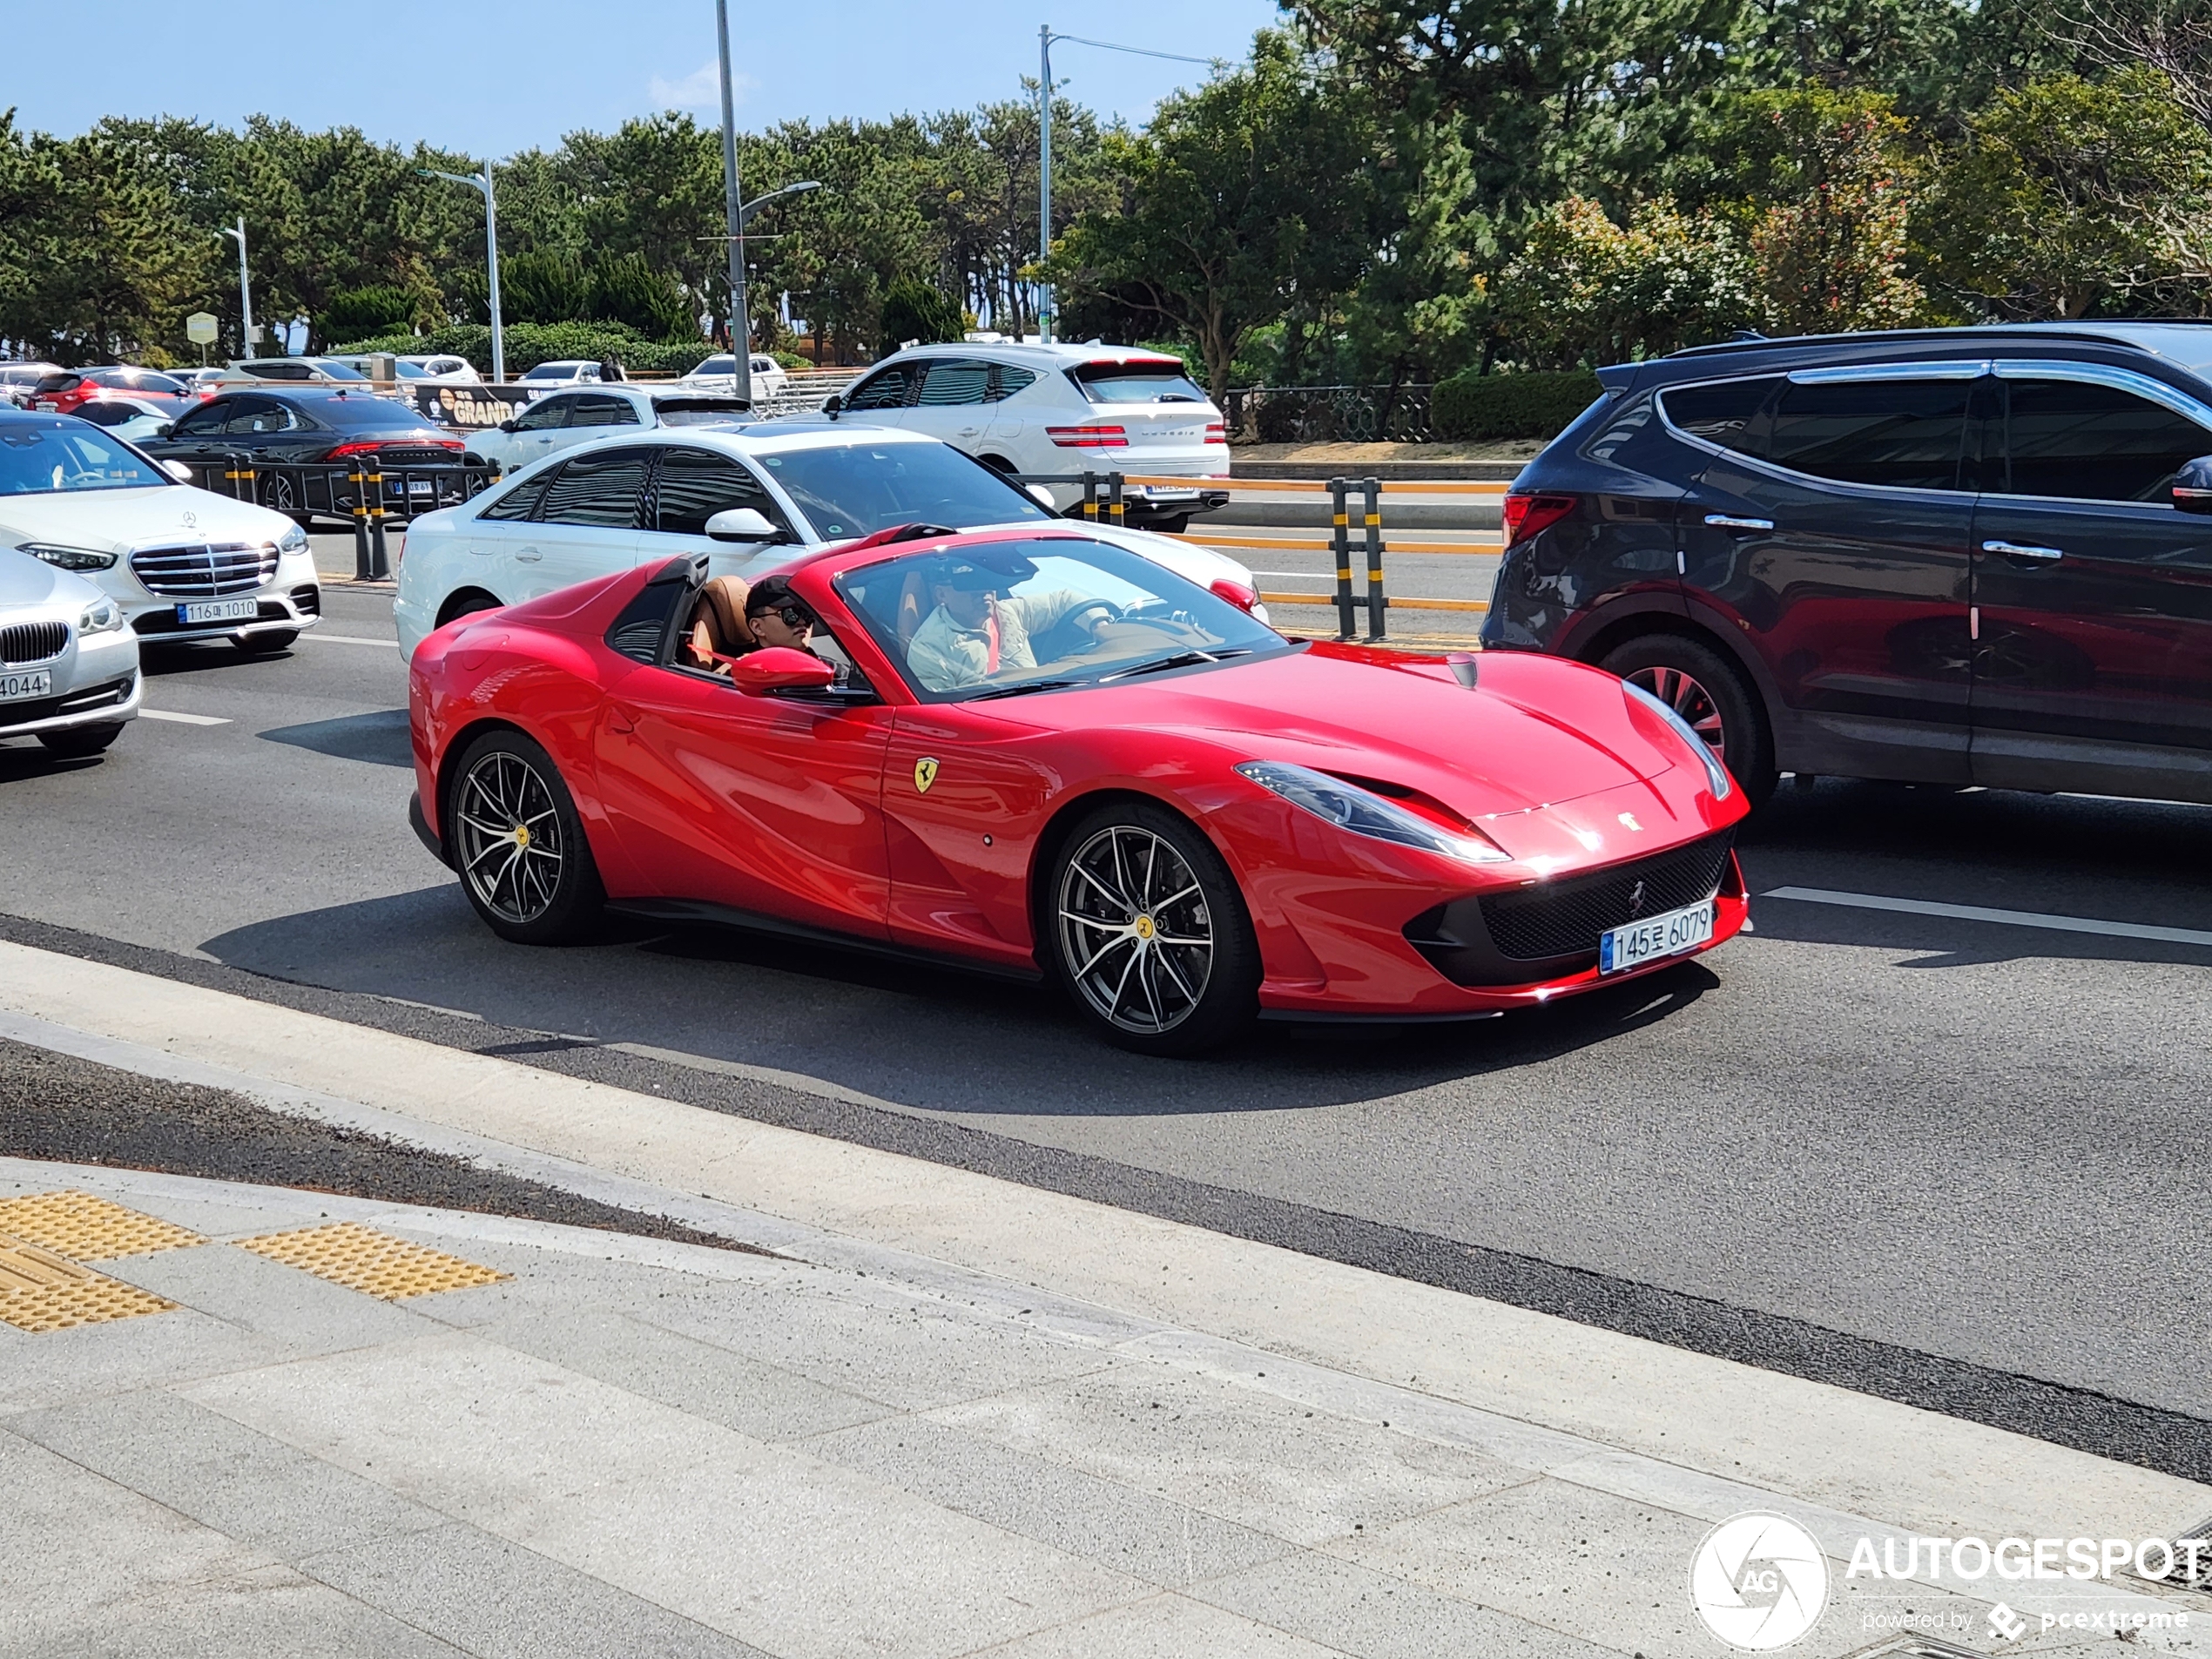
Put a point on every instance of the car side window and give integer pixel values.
(605, 491)
(250, 414)
(953, 381)
(640, 631)
(2073, 440)
(1900, 434)
(694, 486)
(598, 408)
(518, 503)
(1005, 381)
(204, 421)
(885, 389)
(546, 414)
(1723, 412)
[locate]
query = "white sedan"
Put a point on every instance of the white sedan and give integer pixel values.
(68, 666)
(563, 420)
(179, 563)
(770, 488)
(720, 374)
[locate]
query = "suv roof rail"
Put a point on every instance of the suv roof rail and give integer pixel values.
(1746, 340)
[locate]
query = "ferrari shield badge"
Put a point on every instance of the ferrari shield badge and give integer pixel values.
(924, 773)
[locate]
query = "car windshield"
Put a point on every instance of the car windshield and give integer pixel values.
(718, 365)
(1136, 383)
(44, 460)
(1042, 615)
(552, 371)
(855, 489)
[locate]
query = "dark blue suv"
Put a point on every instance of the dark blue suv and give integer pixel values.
(1976, 556)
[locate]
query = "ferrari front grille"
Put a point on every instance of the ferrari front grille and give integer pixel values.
(203, 572)
(32, 642)
(1564, 918)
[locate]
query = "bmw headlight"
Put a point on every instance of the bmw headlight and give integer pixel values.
(102, 616)
(1364, 813)
(294, 540)
(69, 558)
(1715, 774)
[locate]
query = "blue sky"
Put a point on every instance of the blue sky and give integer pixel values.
(503, 76)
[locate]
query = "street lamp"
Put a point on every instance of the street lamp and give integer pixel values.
(245, 289)
(491, 256)
(740, 314)
(1045, 37)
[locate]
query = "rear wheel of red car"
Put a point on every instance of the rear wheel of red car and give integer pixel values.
(1148, 935)
(515, 837)
(1711, 695)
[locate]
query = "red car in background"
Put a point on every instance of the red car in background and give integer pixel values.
(1035, 753)
(68, 390)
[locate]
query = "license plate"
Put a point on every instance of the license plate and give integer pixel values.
(1654, 937)
(420, 486)
(220, 610)
(13, 686)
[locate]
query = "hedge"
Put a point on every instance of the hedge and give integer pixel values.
(529, 344)
(1530, 404)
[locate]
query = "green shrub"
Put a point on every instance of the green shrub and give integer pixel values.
(529, 344)
(918, 312)
(366, 311)
(1535, 403)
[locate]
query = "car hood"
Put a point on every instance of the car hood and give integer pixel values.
(115, 521)
(1535, 733)
(33, 585)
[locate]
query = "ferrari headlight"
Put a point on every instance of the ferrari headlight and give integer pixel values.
(294, 540)
(1715, 774)
(1364, 813)
(69, 558)
(102, 616)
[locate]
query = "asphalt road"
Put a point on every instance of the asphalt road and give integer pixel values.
(1964, 1149)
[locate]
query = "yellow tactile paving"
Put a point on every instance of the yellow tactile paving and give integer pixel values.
(41, 1290)
(87, 1228)
(375, 1263)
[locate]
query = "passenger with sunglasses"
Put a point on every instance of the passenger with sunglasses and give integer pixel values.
(732, 619)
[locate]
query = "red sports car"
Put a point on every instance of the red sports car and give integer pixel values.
(1037, 754)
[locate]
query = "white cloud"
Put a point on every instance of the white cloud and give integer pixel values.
(700, 90)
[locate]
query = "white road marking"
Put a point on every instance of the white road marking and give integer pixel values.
(181, 719)
(2008, 918)
(348, 639)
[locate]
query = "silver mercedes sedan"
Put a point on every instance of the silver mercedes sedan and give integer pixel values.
(68, 661)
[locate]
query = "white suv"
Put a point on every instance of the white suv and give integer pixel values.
(565, 419)
(787, 484)
(1058, 409)
(720, 374)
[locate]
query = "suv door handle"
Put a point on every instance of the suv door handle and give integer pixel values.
(528, 555)
(2016, 550)
(1722, 521)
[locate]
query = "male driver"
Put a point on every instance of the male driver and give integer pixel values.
(973, 634)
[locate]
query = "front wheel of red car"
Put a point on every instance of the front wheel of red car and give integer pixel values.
(1148, 935)
(515, 836)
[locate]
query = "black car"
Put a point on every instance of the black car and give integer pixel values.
(326, 429)
(1952, 557)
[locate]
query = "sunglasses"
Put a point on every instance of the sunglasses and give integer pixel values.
(792, 616)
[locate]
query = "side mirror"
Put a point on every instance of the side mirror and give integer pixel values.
(509, 426)
(1042, 495)
(178, 470)
(165, 428)
(2193, 486)
(832, 404)
(779, 668)
(741, 524)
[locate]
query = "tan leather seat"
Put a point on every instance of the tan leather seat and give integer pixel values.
(719, 624)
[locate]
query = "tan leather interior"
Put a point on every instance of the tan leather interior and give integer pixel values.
(719, 624)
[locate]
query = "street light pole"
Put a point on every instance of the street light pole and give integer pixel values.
(491, 258)
(1044, 179)
(245, 290)
(734, 206)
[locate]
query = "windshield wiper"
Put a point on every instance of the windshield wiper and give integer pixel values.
(1181, 659)
(1024, 689)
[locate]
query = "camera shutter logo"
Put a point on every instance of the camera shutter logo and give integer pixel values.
(1758, 1582)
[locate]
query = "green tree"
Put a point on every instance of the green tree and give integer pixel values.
(919, 312)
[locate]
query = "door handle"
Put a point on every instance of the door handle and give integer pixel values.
(970, 431)
(2016, 550)
(1722, 520)
(528, 555)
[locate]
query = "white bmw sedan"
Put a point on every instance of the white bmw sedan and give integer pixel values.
(771, 488)
(180, 563)
(69, 667)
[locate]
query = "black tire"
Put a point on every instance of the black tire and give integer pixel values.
(1123, 877)
(267, 644)
(467, 603)
(507, 793)
(1710, 693)
(81, 742)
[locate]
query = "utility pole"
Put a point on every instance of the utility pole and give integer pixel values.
(733, 205)
(1044, 178)
(482, 183)
(245, 290)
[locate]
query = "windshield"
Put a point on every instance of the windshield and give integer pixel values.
(1041, 615)
(1136, 383)
(718, 365)
(43, 460)
(855, 489)
(552, 371)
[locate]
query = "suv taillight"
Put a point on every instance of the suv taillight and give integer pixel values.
(1527, 515)
(1218, 433)
(1088, 437)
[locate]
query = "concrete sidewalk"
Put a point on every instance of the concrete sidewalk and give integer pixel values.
(951, 1415)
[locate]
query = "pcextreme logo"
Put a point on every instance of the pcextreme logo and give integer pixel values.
(1758, 1582)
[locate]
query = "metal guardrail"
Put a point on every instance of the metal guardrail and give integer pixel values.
(361, 489)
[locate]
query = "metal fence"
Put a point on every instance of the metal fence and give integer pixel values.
(361, 490)
(1329, 414)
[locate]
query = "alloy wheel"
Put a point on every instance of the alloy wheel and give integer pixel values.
(510, 835)
(1135, 930)
(1683, 693)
